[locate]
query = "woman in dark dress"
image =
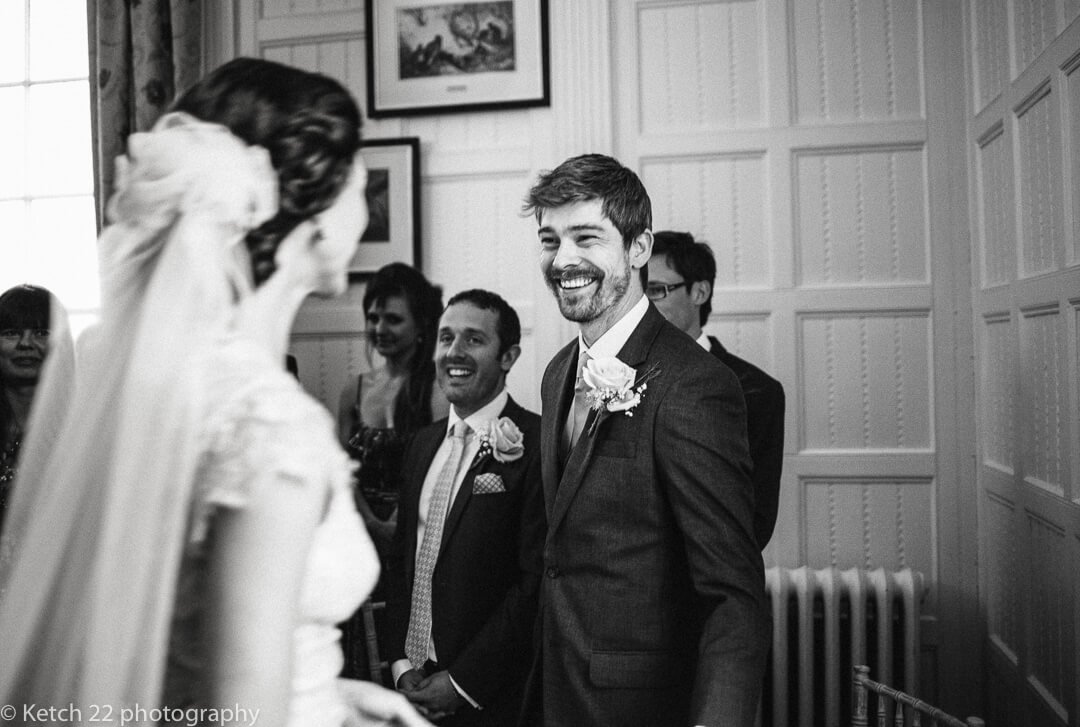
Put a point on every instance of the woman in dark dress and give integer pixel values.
(381, 409)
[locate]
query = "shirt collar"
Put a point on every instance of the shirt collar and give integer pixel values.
(481, 416)
(616, 337)
(704, 342)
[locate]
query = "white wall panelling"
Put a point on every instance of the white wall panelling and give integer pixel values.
(1071, 158)
(857, 60)
(1028, 418)
(1044, 397)
(861, 217)
(1003, 573)
(1050, 647)
(1034, 27)
(865, 382)
(888, 531)
(998, 382)
(991, 64)
(726, 193)
(996, 231)
(683, 49)
(1039, 161)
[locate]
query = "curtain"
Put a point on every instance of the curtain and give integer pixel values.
(142, 53)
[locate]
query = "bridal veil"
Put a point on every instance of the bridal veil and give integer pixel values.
(100, 509)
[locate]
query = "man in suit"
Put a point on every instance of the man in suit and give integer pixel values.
(652, 607)
(465, 563)
(681, 277)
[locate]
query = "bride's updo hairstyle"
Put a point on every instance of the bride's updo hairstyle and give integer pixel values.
(308, 123)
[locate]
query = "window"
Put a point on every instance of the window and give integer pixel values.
(47, 224)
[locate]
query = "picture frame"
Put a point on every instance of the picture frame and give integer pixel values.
(393, 199)
(436, 56)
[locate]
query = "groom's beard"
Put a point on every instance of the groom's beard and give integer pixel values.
(586, 304)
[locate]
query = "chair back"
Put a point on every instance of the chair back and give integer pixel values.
(903, 706)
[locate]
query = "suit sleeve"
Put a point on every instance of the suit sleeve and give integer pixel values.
(704, 463)
(498, 651)
(765, 431)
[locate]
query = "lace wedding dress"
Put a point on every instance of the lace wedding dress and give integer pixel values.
(264, 424)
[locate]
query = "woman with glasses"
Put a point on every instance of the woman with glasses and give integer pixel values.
(24, 344)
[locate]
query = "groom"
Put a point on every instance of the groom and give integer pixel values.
(652, 606)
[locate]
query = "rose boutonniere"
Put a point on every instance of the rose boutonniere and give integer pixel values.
(502, 440)
(614, 386)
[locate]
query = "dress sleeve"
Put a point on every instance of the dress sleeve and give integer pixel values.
(261, 438)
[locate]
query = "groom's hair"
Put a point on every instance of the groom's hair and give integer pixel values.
(622, 196)
(308, 122)
(508, 327)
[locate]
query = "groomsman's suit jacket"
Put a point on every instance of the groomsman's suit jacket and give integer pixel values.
(653, 608)
(764, 397)
(484, 587)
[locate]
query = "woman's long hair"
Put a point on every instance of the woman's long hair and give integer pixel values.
(412, 408)
(24, 306)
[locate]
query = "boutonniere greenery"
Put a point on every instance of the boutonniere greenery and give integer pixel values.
(613, 386)
(501, 439)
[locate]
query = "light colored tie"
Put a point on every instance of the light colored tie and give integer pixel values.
(419, 634)
(581, 404)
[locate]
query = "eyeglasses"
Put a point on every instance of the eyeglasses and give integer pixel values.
(14, 335)
(659, 291)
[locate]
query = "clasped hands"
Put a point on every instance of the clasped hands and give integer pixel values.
(434, 697)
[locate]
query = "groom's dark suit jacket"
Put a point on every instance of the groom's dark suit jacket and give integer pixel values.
(484, 587)
(653, 608)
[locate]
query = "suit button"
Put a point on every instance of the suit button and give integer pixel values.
(552, 572)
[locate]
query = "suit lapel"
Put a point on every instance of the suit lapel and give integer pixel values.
(464, 493)
(633, 353)
(563, 366)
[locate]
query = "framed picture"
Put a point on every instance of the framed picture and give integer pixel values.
(393, 200)
(433, 56)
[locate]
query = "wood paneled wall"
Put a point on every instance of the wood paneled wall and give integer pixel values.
(1023, 132)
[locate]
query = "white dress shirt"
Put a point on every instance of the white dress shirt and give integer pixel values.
(609, 344)
(477, 422)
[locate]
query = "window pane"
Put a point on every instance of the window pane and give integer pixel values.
(13, 41)
(12, 142)
(13, 244)
(63, 249)
(59, 134)
(58, 47)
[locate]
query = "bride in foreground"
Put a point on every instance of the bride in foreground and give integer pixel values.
(189, 540)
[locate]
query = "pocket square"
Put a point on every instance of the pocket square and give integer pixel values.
(487, 484)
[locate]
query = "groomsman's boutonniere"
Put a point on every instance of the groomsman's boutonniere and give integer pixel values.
(502, 440)
(614, 386)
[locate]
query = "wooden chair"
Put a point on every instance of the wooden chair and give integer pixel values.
(863, 686)
(380, 668)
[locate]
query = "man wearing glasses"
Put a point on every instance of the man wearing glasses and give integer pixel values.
(681, 276)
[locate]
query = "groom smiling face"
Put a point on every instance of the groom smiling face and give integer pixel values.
(591, 271)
